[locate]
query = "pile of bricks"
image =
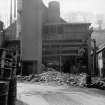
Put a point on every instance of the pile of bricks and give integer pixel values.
(58, 77)
(98, 83)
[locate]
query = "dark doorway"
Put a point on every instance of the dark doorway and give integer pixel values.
(27, 67)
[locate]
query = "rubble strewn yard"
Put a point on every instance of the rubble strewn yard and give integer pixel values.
(65, 79)
(55, 88)
(42, 94)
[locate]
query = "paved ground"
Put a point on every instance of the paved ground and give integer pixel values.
(41, 94)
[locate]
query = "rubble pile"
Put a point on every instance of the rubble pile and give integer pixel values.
(99, 83)
(78, 80)
(51, 75)
(54, 76)
(57, 77)
(28, 78)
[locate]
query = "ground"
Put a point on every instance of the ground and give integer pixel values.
(44, 94)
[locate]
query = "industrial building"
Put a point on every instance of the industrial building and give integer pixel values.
(65, 45)
(45, 37)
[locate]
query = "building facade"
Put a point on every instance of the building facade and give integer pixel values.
(67, 45)
(45, 37)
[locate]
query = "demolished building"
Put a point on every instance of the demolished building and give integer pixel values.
(46, 38)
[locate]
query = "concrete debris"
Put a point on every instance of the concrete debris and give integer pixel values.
(99, 83)
(52, 76)
(59, 78)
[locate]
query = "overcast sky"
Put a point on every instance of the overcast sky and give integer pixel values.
(92, 7)
(4, 10)
(95, 6)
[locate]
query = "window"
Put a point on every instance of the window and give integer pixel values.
(60, 30)
(45, 30)
(52, 29)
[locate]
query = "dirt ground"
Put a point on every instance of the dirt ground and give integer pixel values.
(43, 94)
